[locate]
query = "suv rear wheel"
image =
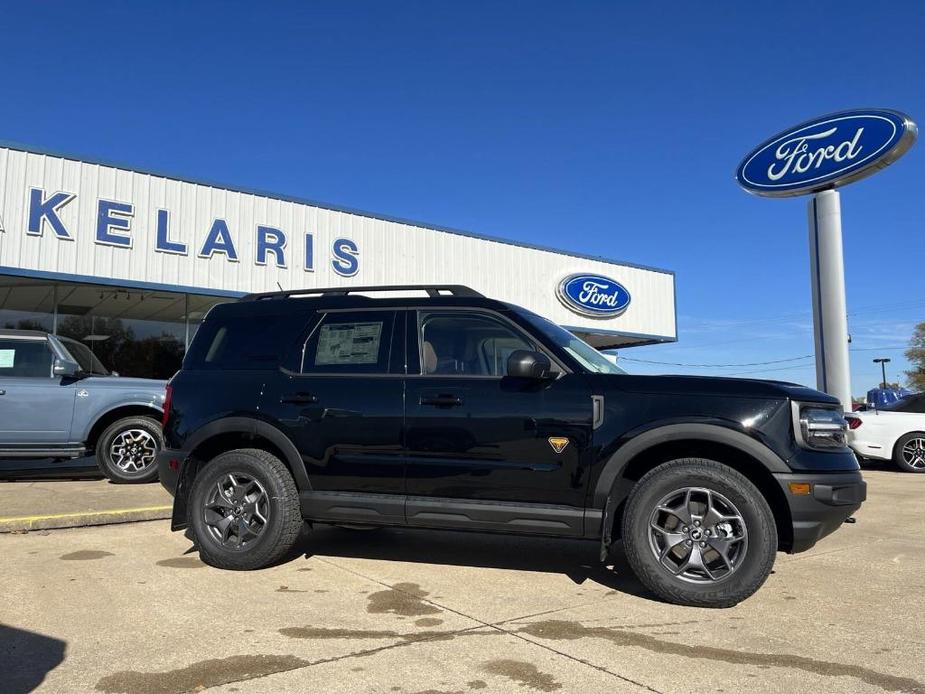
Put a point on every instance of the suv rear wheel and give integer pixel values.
(244, 510)
(696, 532)
(127, 450)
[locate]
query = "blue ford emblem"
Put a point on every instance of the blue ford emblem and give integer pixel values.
(827, 152)
(593, 295)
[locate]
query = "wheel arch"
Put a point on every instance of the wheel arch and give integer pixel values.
(740, 452)
(230, 433)
(114, 414)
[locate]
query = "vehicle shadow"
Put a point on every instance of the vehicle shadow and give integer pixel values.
(26, 658)
(576, 559)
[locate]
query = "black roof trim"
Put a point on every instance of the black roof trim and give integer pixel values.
(433, 290)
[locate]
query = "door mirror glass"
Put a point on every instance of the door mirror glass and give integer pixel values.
(66, 367)
(527, 364)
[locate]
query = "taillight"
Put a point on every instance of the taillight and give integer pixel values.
(168, 396)
(854, 422)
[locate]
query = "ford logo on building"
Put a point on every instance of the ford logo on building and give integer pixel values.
(593, 295)
(827, 152)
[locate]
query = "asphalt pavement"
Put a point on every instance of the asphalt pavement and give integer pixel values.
(130, 608)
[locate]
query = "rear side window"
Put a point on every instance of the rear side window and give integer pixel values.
(242, 343)
(350, 342)
(25, 359)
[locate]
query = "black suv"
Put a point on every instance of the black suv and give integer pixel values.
(456, 411)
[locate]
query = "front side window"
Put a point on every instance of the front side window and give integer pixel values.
(467, 345)
(86, 359)
(578, 349)
(25, 359)
(350, 342)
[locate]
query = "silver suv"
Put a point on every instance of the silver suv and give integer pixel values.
(58, 401)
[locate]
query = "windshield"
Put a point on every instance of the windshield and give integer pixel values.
(85, 358)
(910, 403)
(581, 351)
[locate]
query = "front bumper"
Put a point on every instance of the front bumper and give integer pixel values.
(833, 498)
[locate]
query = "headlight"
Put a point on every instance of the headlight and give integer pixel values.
(819, 427)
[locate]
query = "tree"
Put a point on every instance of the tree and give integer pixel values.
(916, 356)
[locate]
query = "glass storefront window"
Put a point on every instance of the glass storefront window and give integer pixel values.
(132, 332)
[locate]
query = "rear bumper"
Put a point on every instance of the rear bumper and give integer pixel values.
(834, 497)
(169, 463)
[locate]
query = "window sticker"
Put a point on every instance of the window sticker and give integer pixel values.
(7, 358)
(348, 343)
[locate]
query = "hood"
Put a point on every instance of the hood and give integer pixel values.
(714, 386)
(125, 383)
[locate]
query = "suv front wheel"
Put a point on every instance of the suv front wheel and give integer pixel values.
(127, 450)
(696, 532)
(244, 510)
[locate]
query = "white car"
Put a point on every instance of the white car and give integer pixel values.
(894, 432)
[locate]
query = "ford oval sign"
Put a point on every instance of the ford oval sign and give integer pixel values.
(827, 152)
(593, 295)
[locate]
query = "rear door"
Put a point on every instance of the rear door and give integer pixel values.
(486, 449)
(340, 399)
(35, 406)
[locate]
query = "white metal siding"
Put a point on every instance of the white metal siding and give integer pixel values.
(390, 252)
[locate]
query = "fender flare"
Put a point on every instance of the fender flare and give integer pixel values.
(713, 433)
(255, 427)
(603, 498)
(112, 408)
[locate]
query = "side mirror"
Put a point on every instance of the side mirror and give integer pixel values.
(526, 364)
(65, 367)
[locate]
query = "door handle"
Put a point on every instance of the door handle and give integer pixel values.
(2, 392)
(298, 399)
(443, 400)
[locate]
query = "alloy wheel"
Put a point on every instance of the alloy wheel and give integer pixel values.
(698, 535)
(237, 510)
(914, 453)
(133, 451)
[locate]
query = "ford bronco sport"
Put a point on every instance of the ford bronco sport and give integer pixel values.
(456, 411)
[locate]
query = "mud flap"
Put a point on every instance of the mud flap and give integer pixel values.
(607, 529)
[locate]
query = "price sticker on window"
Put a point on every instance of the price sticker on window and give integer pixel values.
(7, 358)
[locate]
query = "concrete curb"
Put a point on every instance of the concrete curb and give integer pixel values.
(83, 519)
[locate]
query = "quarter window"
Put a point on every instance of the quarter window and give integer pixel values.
(350, 342)
(467, 345)
(25, 359)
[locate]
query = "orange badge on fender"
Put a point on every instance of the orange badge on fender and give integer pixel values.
(558, 443)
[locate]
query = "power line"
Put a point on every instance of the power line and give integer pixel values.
(717, 366)
(755, 363)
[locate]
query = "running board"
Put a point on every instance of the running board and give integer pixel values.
(43, 452)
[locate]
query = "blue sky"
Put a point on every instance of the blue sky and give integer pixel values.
(606, 128)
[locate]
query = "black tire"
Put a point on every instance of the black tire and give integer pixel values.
(142, 437)
(274, 539)
(918, 464)
(750, 569)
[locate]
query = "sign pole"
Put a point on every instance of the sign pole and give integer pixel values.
(830, 314)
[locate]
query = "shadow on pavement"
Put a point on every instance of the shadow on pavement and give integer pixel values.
(26, 658)
(12, 469)
(577, 559)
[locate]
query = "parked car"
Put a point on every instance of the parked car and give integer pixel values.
(457, 411)
(58, 402)
(893, 432)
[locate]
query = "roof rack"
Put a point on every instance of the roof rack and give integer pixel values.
(431, 289)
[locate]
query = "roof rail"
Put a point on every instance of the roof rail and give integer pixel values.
(431, 289)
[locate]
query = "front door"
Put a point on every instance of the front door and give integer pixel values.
(341, 401)
(35, 406)
(485, 448)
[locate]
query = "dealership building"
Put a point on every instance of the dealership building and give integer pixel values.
(129, 261)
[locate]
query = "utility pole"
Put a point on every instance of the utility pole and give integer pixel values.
(883, 361)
